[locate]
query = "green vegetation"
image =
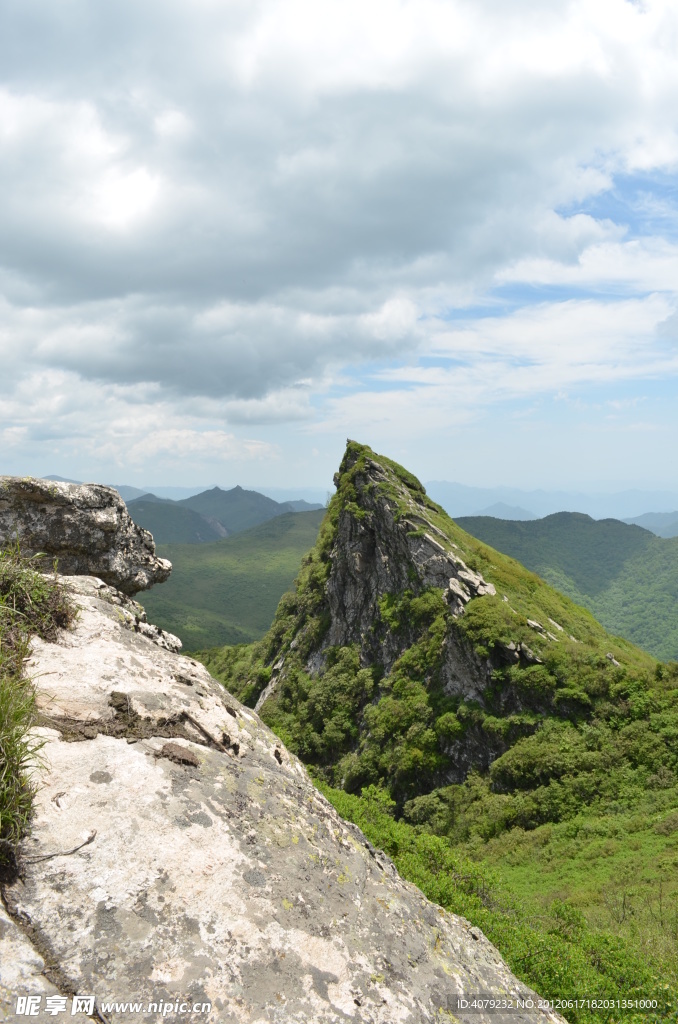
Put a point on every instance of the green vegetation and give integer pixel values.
(555, 772)
(227, 592)
(30, 603)
(548, 942)
(623, 574)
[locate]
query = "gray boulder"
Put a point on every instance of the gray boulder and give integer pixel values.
(180, 855)
(85, 526)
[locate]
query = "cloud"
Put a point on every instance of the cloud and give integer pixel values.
(228, 216)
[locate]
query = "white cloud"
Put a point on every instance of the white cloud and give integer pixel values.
(207, 204)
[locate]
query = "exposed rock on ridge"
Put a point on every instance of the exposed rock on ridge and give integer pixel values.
(386, 543)
(85, 526)
(391, 545)
(211, 870)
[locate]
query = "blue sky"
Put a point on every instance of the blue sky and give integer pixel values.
(236, 233)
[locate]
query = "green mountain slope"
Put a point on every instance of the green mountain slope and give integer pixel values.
(172, 523)
(480, 727)
(227, 592)
(236, 509)
(625, 575)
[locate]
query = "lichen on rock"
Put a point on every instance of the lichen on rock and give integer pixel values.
(179, 851)
(86, 527)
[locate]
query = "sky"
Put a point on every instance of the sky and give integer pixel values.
(234, 234)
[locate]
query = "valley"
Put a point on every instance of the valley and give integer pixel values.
(226, 592)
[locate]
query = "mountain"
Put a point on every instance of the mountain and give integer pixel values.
(227, 592)
(208, 516)
(455, 705)
(664, 524)
(502, 511)
(236, 509)
(625, 575)
(61, 479)
(301, 505)
(172, 523)
(461, 500)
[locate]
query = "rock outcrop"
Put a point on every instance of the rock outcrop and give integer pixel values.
(386, 542)
(392, 545)
(180, 855)
(85, 526)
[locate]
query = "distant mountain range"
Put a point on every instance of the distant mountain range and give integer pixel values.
(500, 510)
(204, 517)
(635, 507)
(209, 516)
(664, 524)
(460, 500)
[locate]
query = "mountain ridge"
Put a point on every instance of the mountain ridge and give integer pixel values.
(210, 515)
(623, 573)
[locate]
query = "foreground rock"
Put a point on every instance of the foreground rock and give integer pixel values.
(209, 869)
(85, 526)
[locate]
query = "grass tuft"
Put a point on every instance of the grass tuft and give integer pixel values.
(31, 604)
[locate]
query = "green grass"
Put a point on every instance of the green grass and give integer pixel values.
(227, 592)
(616, 867)
(30, 604)
(626, 576)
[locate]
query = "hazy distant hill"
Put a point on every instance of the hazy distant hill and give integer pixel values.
(461, 500)
(301, 505)
(502, 511)
(664, 524)
(172, 523)
(239, 509)
(625, 575)
(227, 592)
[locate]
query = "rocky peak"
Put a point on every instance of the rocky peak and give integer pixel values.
(382, 542)
(387, 542)
(86, 527)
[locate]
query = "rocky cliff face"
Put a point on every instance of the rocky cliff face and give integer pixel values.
(387, 543)
(180, 855)
(85, 526)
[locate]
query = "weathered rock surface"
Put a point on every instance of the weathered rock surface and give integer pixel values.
(390, 546)
(24, 972)
(85, 526)
(212, 870)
